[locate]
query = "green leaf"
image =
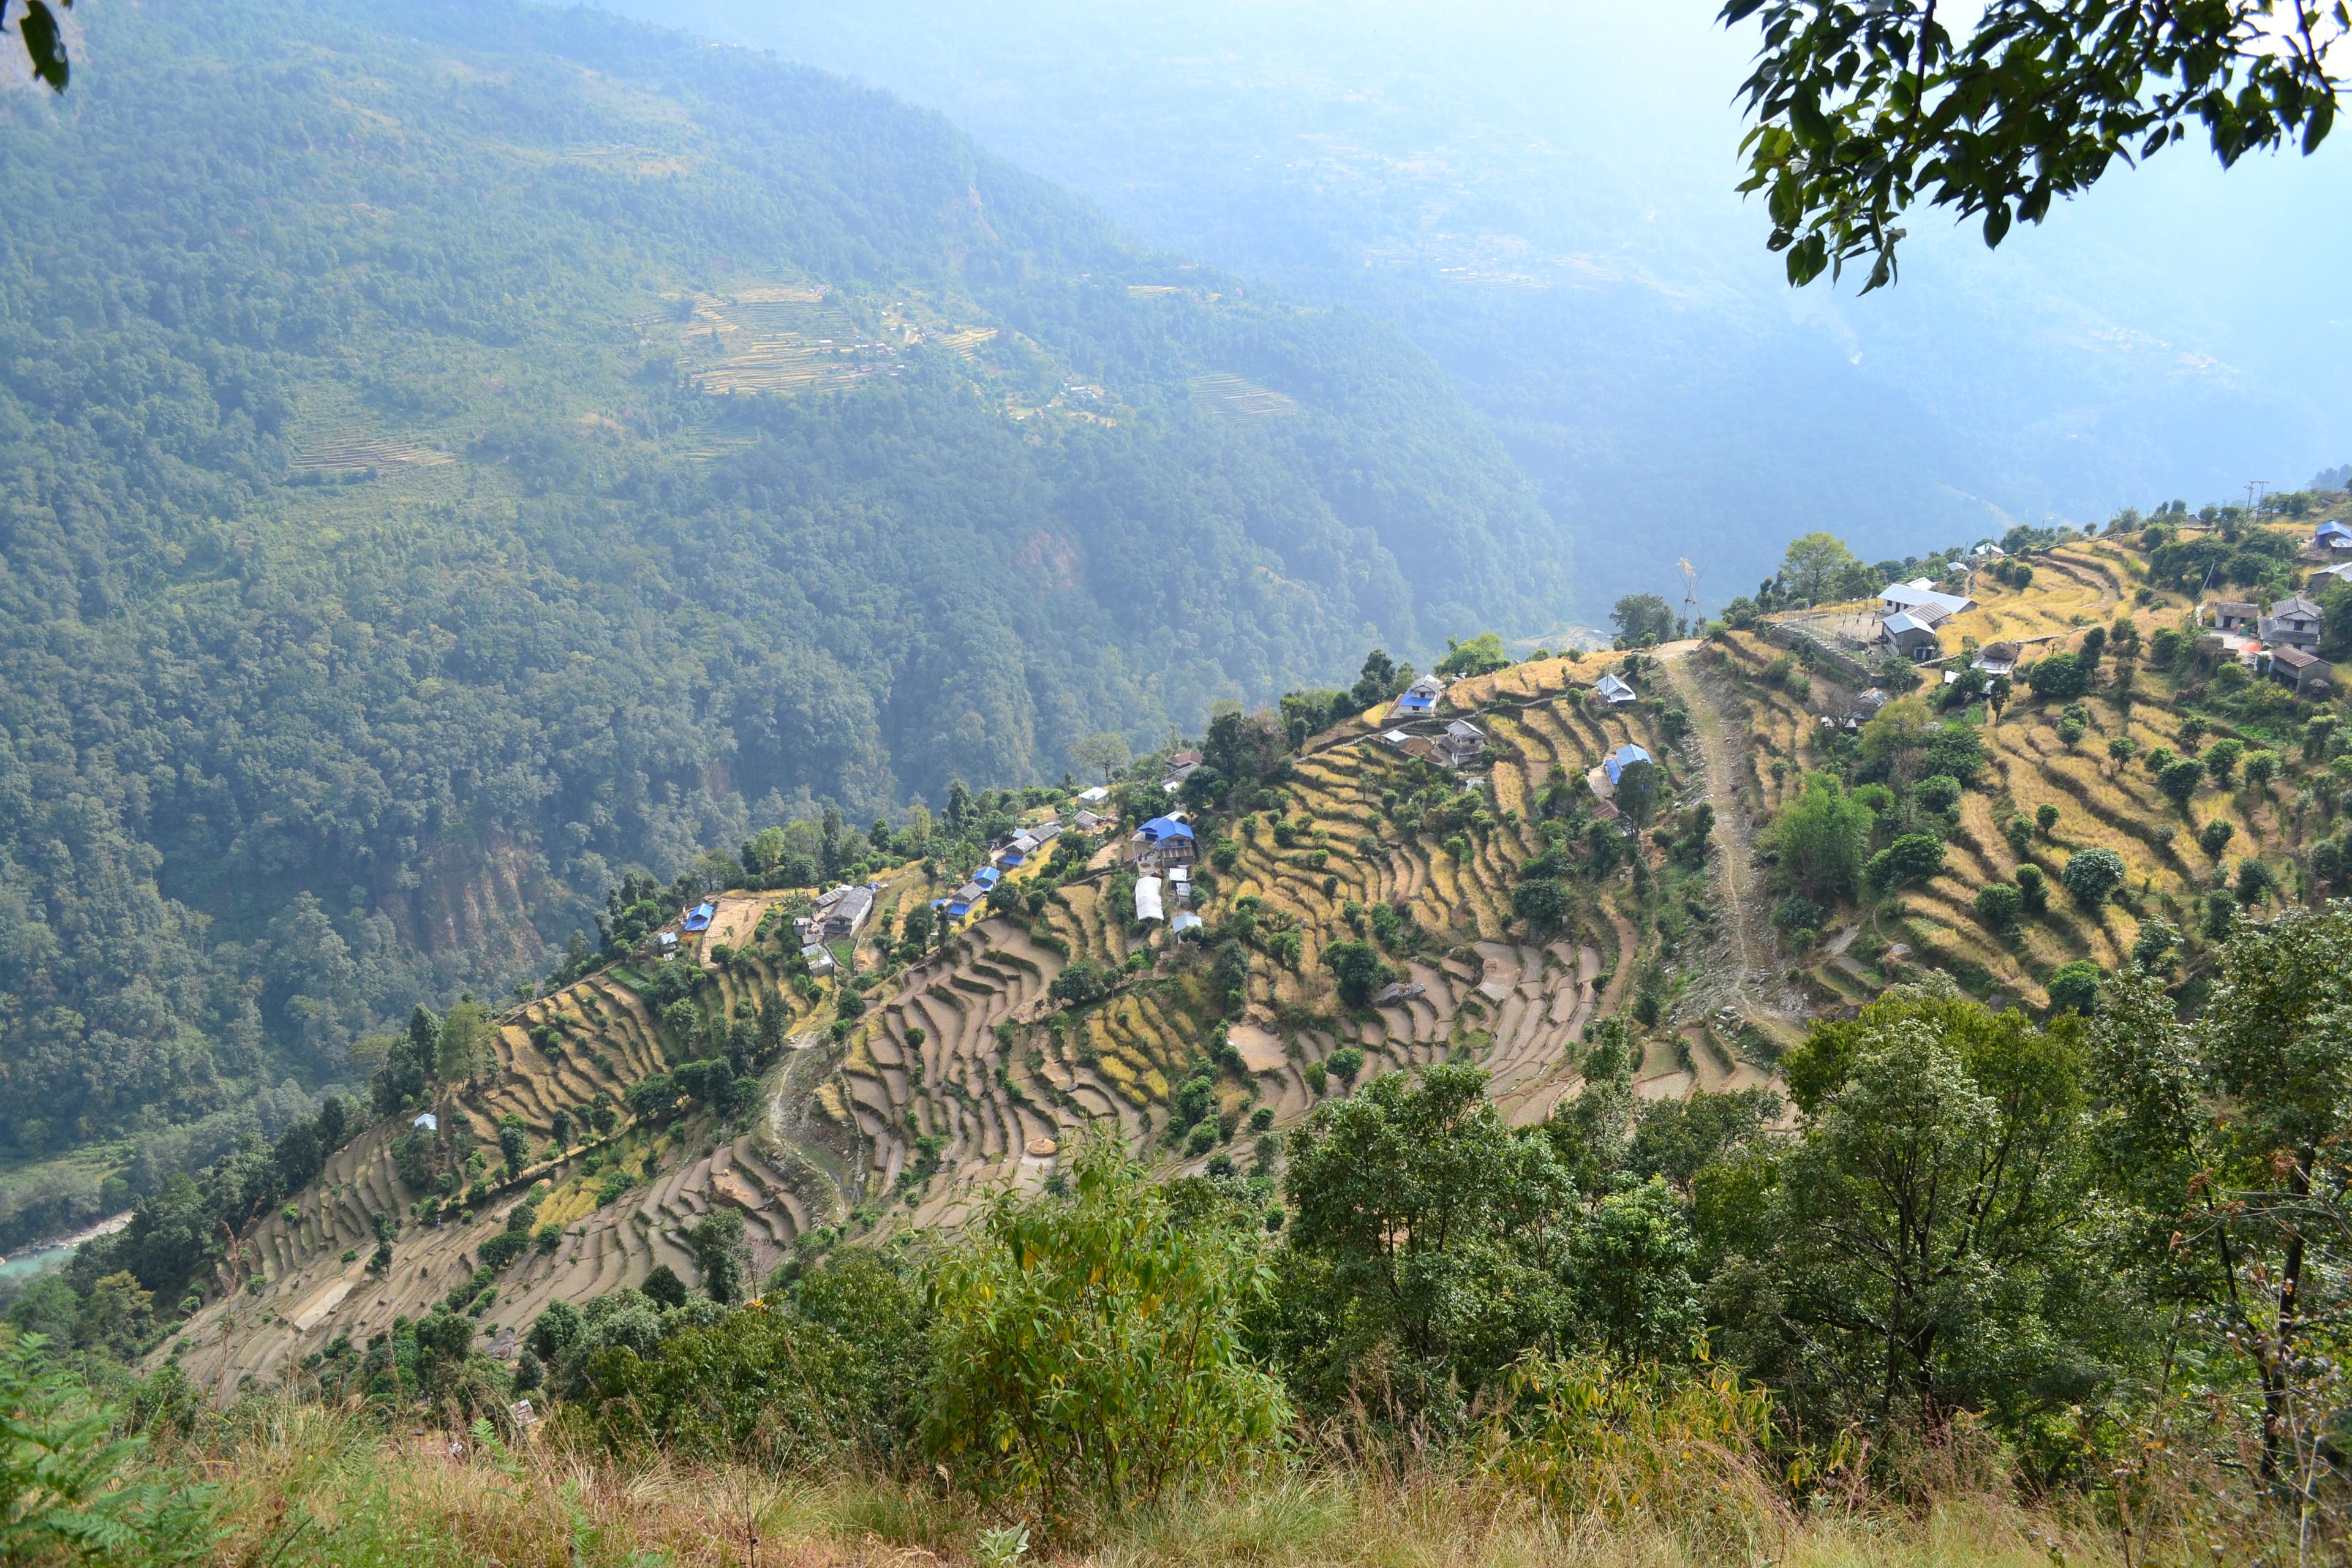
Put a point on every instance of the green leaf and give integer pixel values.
(44, 43)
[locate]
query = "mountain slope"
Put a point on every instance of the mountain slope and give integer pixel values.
(449, 457)
(1526, 930)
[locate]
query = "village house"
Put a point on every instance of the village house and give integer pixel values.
(1865, 708)
(1919, 600)
(697, 919)
(1461, 744)
(2333, 537)
(1615, 764)
(2306, 674)
(1615, 692)
(842, 912)
(1906, 634)
(2293, 622)
(1419, 700)
(1163, 842)
(2235, 616)
(1181, 767)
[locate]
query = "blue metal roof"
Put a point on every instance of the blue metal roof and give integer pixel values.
(958, 908)
(1623, 757)
(698, 916)
(987, 876)
(1417, 704)
(1161, 827)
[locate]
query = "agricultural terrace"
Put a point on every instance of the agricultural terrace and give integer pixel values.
(922, 1075)
(2083, 763)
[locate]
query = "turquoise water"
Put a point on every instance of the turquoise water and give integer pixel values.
(22, 1266)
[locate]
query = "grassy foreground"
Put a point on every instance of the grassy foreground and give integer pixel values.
(304, 1485)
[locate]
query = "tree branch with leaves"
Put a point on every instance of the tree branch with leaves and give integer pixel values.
(1864, 108)
(44, 38)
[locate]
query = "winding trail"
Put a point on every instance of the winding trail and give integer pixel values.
(1733, 852)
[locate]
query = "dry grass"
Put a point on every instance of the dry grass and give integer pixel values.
(301, 1486)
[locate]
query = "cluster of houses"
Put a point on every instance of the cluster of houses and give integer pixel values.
(1165, 852)
(839, 915)
(1010, 853)
(1908, 615)
(1457, 745)
(2282, 640)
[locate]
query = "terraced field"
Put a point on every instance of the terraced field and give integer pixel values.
(1238, 399)
(963, 1073)
(773, 339)
(2102, 803)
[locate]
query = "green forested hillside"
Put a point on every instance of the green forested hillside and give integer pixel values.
(448, 456)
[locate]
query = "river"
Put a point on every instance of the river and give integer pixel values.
(19, 1267)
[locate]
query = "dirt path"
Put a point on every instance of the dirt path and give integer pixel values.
(1750, 950)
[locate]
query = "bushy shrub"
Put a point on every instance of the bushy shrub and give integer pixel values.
(2179, 779)
(2059, 677)
(1090, 1355)
(1938, 792)
(2092, 875)
(1907, 860)
(1998, 904)
(828, 1373)
(2075, 988)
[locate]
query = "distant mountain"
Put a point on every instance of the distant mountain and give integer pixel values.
(1543, 197)
(450, 453)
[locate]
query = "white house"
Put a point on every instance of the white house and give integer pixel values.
(1920, 600)
(1912, 638)
(2293, 622)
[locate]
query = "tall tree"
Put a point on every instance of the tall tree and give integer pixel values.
(1814, 567)
(1104, 754)
(1922, 1224)
(1642, 620)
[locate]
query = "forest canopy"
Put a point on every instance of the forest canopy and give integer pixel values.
(406, 527)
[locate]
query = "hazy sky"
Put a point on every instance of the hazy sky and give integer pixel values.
(2176, 332)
